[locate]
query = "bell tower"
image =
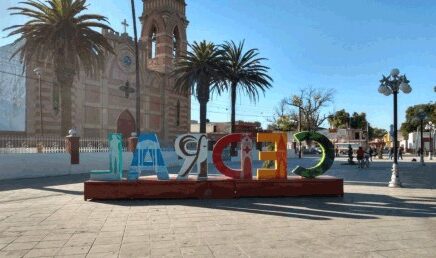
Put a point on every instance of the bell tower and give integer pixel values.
(163, 32)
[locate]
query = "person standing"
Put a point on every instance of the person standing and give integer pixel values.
(360, 155)
(350, 154)
(370, 152)
(391, 152)
(400, 153)
(337, 151)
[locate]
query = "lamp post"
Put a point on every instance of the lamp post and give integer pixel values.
(392, 84)
(38, 72)
(431, 128)
(421, 117)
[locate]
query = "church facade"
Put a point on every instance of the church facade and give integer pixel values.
(107, 104)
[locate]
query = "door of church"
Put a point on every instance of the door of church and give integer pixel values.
(126, 124)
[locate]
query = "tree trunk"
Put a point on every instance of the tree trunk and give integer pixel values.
(233, 151)
(66, 123)
(203, 97)
(233, 111)
(203, 112)
(65, 78)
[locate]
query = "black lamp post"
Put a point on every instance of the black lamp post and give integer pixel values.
(422, 116)
(431, 128)
(392, 84)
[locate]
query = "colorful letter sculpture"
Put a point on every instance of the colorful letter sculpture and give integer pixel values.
(115, 171)
(193, 148)
(148, 156)
(278, 155)
(327, 158)
(196, 155)
(246, 148)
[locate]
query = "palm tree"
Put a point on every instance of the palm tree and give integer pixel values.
(199, 71)
(244, 69)
(58, 34)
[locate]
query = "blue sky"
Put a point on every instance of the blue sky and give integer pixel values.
(344, 45)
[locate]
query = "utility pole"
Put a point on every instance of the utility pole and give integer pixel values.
(38, 73)
(299, 130)
(138, 88)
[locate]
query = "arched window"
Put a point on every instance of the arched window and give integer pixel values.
(178, 113)
(152, 51)
(176, 42)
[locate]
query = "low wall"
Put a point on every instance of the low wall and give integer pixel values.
(13, 166)
(30, 165)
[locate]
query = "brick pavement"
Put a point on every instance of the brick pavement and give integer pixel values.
(47, 217)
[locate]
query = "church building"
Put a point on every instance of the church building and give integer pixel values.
(107, 104)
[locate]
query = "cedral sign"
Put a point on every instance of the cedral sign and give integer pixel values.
(193, 149)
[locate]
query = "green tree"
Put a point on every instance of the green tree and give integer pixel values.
(59, 34)
(200, 70)
(340, 119)
(376, 133)
(243, 71)
(412, 122)
(358, 120)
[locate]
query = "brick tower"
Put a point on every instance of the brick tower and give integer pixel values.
(163, 37)
(163, 32)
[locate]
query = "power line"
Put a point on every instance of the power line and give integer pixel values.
(113, 95)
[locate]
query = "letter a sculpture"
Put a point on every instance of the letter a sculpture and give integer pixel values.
(148, 156)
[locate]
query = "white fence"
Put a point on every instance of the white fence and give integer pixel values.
(49, 144)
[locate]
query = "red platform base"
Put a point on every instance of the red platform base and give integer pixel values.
(212, 188)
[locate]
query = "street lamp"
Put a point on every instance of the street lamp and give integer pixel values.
(392, 84)
(38, 72)
(421, 117)
(431, 128)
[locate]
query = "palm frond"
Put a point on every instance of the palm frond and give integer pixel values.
(57, 32)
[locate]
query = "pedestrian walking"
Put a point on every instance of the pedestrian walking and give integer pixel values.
(400, 153)
(366, 160)
(350, 154)
(391, 152)
(360, 155)
(370, 152)
(337, 151)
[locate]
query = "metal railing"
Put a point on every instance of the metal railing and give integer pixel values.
(50, 144)
(23, 144)
(97, 145)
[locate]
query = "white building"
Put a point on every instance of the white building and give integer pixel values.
(414, 141)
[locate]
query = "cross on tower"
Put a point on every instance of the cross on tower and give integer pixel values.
(125, 24)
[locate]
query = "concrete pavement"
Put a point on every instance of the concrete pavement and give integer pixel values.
(47, 217)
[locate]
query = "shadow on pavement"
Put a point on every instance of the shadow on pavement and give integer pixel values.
(45, 183)
(352, 205)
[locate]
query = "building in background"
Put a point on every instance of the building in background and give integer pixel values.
(99, 106)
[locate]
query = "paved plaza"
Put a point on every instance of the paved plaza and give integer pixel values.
(48, 217)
